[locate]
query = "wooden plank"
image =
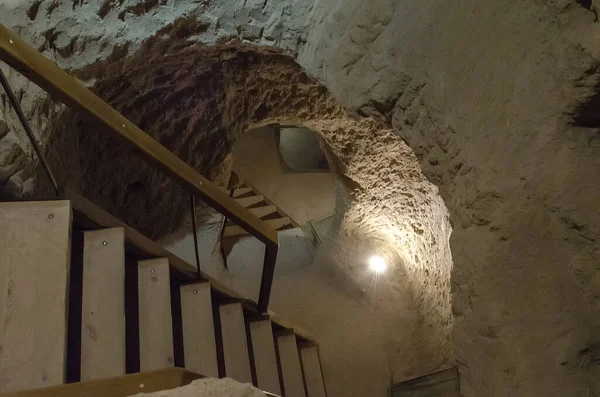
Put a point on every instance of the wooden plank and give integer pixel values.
(241, 191)
(200, 349)
(34, 270)
(123, 386)
(315, 385)
(293, 383)
(103, 304)
(236, 231)
(156, 332)
(24, 58)
(265, 360)
(235, 345)
(248, 201)
(264, 211)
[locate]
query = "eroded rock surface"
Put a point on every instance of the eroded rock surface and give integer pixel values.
(485, 94)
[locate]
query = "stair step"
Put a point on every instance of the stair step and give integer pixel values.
(248, 201)
(200, 350)
(265, 359)
(293, 383)
(156, 332)
(237, 231)
(264, 211)
(235, 345)
(242, 191)
(260, 212)
(313, 375)
(103, 304)
(34, 264)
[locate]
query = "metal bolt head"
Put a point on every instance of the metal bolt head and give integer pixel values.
(151, 270)
(195, 291)
(50, 216)
(105, 242)
(11, 41)
(141, 385)
(123, 125)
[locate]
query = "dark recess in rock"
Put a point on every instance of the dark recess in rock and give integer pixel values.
(33, 10)
(107, 6)
(585, 4)
(587, 114)
(53, 6)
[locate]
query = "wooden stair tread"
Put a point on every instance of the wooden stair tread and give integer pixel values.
(264, 211)
(236, 231)
(315, 386)
(265, 359)
(291, 370)
(155, 318)
(248, 201)
(34, 293)
(199, 343)
(235, 344)
(269, 202)
(242, 191)
(103, 314)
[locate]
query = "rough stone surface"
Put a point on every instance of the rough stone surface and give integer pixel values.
(210, 387)
(485, 94)
(497, 101)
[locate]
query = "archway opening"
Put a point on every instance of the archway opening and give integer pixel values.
(197, 101)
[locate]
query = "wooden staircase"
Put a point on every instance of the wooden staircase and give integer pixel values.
(257, 203)
(86, 299)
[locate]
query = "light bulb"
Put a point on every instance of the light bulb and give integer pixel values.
(377, 264)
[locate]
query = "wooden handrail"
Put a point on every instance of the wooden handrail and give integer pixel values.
(31, 63)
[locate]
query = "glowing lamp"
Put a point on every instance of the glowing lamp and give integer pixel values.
(377, 264)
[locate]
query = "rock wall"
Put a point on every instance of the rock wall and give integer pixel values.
(488, 95)
(497, 101)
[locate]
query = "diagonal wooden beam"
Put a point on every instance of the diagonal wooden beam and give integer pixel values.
(28, 61)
